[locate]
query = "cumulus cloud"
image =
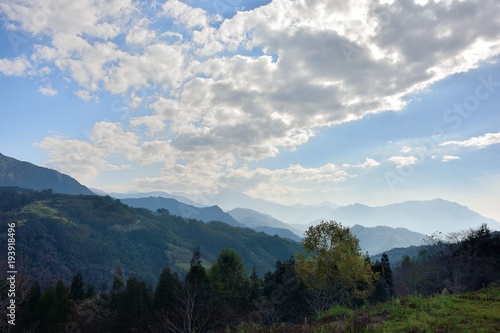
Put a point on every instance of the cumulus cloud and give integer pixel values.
(478, 142)
(448, 158)
(402, 161)
(47, 91)
(14, 67)
(266, 80)
(85, 95)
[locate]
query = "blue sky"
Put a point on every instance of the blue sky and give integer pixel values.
(293, 101)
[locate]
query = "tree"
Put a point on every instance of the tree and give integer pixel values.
(285, 294)
(165, 297)
(333, 268)
(77, 291)
(136, 303)
(384, 286)
(230, 285)
(187, 307)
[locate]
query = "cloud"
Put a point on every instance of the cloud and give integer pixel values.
(85, 95)
(47, 91)
(92, 18)
(185, 15)
(14, 67)
(448, 158)
(402, 161)
(478, 142)
(368, 163)
(221, 96)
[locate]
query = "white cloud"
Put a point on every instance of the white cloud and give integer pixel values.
(478, 142)
(93, 18)
(402, 161)
(47, 91)
(14, 67)
(85, 95)
(448, 158)
(264, 81)
(185, 15)
(368, 163)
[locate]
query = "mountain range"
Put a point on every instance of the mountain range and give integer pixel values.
(378, 228)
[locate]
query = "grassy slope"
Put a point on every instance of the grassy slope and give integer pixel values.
(471, 312)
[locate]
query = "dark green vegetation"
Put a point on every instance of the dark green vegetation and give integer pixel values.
(59, 235)
(24, 174)
(158, 284)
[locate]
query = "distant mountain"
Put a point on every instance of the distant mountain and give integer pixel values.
(281, 232)
(136, 195)
(26, 175)
(58, 235)
(299, 214)
(396, 254)
(379, 239)
(425, 217)
(252, 218)
(206, 214)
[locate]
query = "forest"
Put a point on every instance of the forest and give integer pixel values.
(327, 286)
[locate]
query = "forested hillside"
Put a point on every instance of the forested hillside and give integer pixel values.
(58, 235)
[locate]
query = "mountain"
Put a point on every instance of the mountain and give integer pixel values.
(252, 218)
(206, 214)
(58, 235)
(299, 214)
(379, 239)
(26, 175)
(137, 195)
(425, 217)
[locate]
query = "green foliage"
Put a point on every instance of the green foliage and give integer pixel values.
(229, 282)
(458, 262)
(62, 234)
(77, 291)
(165, 293)
(333, 268)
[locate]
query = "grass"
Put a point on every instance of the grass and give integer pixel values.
(479, 312)
(468, 312)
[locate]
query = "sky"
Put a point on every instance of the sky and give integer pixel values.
(293, 101)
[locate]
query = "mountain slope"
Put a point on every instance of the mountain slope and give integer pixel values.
(206, 214)
(138, 195)
(379, 239)
(424, 217)
(26, 175)
(58, 235)
(298, 214)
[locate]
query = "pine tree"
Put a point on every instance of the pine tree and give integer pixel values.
(77, 291)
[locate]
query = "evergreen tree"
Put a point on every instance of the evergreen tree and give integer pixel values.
(90, 292)
(77, 291)
(165, 293)
(285, 294)
(136, 302)
(230, 284)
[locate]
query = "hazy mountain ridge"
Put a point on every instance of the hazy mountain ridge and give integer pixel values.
(252, 218)
(424, 217)
(378, 239)
(206, 214)
(27, 175)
